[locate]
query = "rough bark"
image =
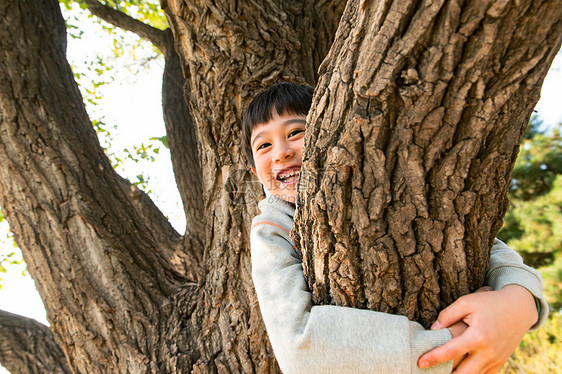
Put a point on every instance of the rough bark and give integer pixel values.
(416, 125)
(96, 265)
(29, 347)
(160, 228)
(227, 54)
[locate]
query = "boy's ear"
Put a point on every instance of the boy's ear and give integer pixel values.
(254, 171)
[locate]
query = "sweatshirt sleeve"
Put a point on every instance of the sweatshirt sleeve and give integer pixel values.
(329, 339)
(507, 267)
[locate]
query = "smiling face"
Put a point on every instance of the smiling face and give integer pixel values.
(276, 149)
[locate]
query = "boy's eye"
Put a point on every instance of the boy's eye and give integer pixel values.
(263, 146)
(295, 132)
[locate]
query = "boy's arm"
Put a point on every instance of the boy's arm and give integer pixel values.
(507, 267)
(495, 326)
(319, 339)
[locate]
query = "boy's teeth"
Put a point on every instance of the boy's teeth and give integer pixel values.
(290, 174)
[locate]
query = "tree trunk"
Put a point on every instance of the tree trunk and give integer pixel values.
(416, 124)
(230, 51)
(115, 301)
(101, 273)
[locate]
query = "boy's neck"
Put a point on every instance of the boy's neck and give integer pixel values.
(270, 195)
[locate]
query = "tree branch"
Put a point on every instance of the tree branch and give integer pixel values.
(186, 253)
(164, 233)
(122, 20)
(28, 346)
(182, 140)
(93, 258)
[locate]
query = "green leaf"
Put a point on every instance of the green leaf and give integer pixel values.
(162, 139)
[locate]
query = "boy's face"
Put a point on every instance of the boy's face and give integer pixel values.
(276, 148)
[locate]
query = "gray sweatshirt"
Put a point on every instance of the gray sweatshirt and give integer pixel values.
(332, 339)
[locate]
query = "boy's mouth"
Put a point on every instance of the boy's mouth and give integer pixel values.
(290, 174)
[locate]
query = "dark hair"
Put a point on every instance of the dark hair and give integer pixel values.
(281, 98)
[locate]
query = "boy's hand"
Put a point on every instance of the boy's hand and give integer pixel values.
(457, 329)
(497, 321)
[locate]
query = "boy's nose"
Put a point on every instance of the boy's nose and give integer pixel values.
(284, 153)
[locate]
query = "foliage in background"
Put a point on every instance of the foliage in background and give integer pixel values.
(126, 56)
(539, 352)
(147, 11)
(533, 224)
(125, 49)
(533, 227)
(10, 254)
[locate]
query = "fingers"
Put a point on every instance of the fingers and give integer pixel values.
(469, 310)
(472, 364)
(457, 310)
(451, 314)
(454, 348)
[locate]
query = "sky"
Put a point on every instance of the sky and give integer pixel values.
(549, 107)
(134, 103)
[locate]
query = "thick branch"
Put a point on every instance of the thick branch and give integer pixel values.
(181, 140)
(122, 20)
(184, 252)
(180, 130)
(163, 232)
(28, 346)
(93, 258)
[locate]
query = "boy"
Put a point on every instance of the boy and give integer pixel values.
(332, 339)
